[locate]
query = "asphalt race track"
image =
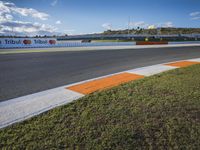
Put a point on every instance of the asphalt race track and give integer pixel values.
(23, 74)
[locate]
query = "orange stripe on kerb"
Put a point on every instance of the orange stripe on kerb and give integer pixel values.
(104, 83)
(182, 64)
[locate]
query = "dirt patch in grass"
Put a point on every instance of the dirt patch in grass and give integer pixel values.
(158, 112)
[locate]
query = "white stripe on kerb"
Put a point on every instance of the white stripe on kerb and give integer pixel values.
(195, 60)
(151, 70)
(21, 108)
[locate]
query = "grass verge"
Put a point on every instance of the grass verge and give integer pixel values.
(158, 112)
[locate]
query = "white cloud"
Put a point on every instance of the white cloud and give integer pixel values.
(138, 24)
(54, 2)
(26, 28)
(143, 24)
(31, 12)
(193, 14)
(11, 8)
(58, 22)
(196, 18)
(5, 17)
(107, 26)
(69, 31)
(152, 27)
(9, 26)
(168, 24)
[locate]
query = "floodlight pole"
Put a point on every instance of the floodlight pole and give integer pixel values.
(128, 24)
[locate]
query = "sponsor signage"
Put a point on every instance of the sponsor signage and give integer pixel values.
(27, 42)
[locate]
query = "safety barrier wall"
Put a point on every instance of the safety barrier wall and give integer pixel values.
(52, 42)
(185, 42)
(151, 43)
(76, 44)
(27, 42)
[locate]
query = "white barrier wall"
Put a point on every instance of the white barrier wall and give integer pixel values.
(52, 42)
(27, 42)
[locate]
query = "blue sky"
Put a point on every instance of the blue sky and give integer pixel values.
(89, 16)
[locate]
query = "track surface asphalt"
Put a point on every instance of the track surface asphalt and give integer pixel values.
(23, 74)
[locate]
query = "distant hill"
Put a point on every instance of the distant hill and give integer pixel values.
(136, 31)
(163, 31)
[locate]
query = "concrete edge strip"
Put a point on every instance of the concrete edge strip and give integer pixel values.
(25, 107)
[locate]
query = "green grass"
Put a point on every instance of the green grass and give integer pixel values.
(158, 112)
